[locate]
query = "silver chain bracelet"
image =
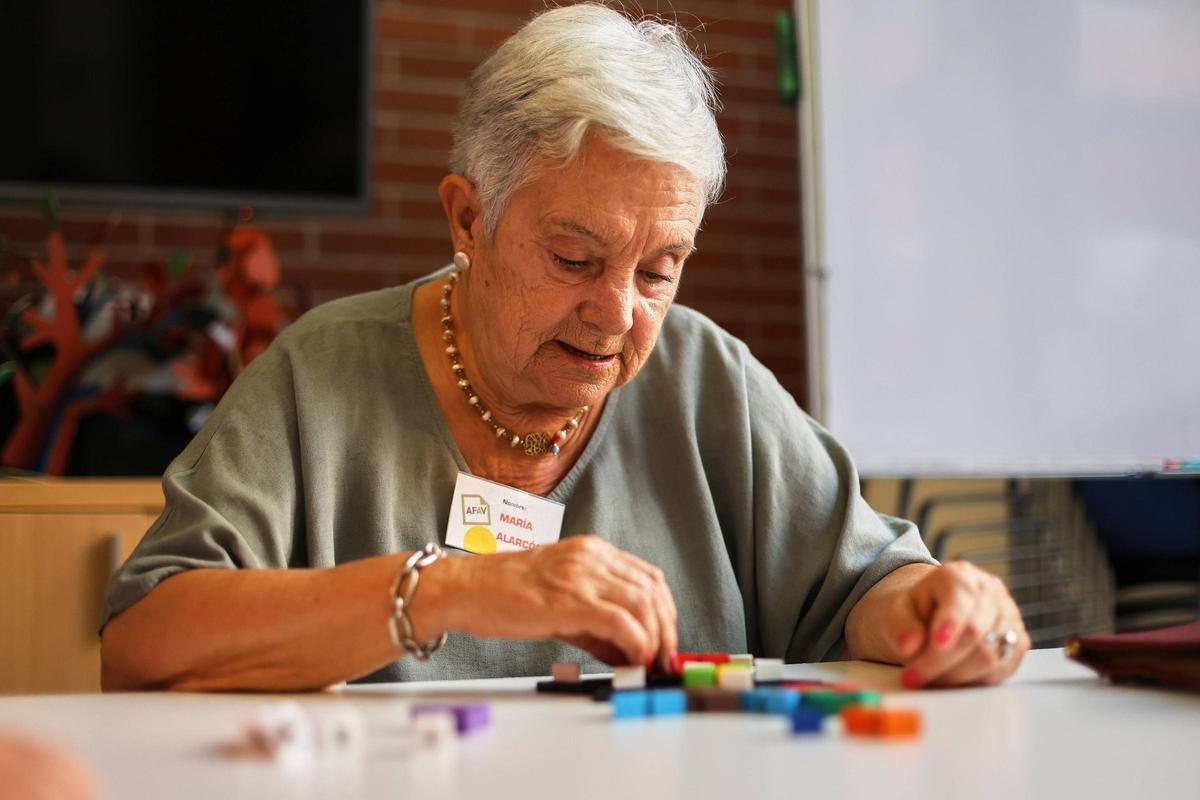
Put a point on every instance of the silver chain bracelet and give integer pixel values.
(402, 592)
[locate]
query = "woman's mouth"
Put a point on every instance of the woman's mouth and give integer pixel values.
(595, 358)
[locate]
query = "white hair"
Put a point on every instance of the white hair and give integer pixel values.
(578, 68)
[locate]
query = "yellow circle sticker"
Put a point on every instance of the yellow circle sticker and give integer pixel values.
(479, 539)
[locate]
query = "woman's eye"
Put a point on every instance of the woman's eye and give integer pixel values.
(568, 263)
(658, 277)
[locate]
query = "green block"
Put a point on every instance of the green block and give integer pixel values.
(864, 697)
(696, 674)
(833, 702)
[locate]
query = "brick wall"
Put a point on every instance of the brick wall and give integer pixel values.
(746, 274)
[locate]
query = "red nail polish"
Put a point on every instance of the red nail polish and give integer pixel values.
(910, 678)
(943, 634)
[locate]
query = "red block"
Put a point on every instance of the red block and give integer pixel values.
(861, 721)
(715, 658)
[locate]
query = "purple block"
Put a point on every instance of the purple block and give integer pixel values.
(467, 716)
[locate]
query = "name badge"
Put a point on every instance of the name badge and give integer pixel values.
(489, 517)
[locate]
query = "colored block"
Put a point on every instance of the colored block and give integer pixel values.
(735, 676)
(772, 700)
(886, 722)
(829, 702)
(712, 699)
(863, 697)
(823, 702)
(723, 700)
(588, 686)
(696, 699)
(781, 701)
(679, 659)
(467, 716)
(699, 673)
(630, 704)
(805, 721)
(768, 669)
(668, 702)
(629, 677)
(899, 722)
(567, 672)
(742, 658)
(860, 720)
(662, 680)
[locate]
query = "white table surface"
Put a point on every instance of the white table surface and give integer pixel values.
(1055, 731)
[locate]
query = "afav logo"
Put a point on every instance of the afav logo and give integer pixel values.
(475, 510)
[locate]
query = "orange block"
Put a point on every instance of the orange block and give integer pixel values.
(892, 723)
(899, 722)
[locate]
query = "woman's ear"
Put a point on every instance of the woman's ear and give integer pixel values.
(461, 204)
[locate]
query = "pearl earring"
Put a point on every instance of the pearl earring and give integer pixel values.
(462, 261)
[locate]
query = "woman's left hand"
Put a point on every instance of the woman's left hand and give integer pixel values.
(950, 628)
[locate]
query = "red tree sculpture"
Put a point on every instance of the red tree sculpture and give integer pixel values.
(40, 403)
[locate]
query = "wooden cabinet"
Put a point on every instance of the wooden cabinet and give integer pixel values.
(59, 542)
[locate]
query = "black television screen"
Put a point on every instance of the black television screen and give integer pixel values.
(201, 104)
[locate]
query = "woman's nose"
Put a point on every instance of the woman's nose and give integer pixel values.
(609, 309)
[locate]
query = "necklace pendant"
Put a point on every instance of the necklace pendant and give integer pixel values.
(536, 444)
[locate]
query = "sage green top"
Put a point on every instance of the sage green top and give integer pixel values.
(332, 447)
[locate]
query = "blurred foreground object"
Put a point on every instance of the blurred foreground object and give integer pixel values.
(1167, 657)
(33, 771)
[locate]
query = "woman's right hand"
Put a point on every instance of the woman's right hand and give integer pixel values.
(581, 590)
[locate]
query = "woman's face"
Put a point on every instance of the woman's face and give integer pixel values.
(565, 302)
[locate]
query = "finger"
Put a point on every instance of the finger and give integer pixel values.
(611, 623)
(984, 665)
(904, 628)
(949, 595)
(664, 608)
(603, 650)
(936, 663)
(974, 669)
(631, 590)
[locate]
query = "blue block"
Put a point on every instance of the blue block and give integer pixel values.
(627, 704)
(666, 702)
(756, 701)
(781, 701)
(806, 721)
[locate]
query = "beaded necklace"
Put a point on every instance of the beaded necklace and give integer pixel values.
(536, 443)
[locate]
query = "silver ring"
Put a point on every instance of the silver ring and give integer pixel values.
(1006, 640)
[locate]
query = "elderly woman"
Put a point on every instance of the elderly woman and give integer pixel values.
(701, 508)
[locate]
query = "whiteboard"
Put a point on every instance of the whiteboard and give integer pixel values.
(1006, 232)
